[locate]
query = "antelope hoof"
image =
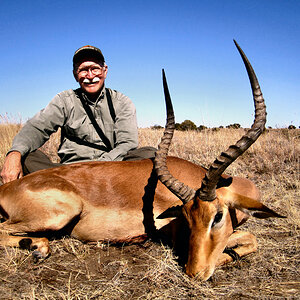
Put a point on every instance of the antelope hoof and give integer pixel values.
(40, 247)
(37, 256)
(233, 254)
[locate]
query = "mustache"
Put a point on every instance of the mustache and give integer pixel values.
(94, 80)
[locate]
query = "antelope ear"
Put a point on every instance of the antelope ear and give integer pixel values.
(253, 207)
(171, 212)
(224, 182)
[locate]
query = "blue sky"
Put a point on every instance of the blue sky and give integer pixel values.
(191, 40)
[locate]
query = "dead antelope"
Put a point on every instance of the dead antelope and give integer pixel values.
(125, 201)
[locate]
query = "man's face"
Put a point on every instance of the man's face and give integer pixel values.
(91, 76)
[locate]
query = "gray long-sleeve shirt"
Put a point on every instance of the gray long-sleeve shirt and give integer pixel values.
(65, 111)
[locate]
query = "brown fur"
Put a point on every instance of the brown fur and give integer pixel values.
(119, 201)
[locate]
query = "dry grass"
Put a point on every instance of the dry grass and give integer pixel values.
(150, 271)
(8, 130)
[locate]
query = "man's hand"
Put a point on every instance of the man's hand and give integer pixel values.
(12, 168)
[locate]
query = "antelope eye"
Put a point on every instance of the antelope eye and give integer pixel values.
(218, 218)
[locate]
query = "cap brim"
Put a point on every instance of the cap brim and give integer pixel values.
(87, 53)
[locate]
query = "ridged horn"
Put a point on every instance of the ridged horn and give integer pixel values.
(182, 191)
(207, 192)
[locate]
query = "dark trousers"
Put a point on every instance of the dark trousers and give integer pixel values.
(37, 160)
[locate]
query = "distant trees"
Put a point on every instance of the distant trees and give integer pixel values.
(190, 125)
(156, 126)
(186, 125)
(201, 127)
(234, 126)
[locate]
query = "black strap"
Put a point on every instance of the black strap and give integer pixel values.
(111, 110)
(79, 141)
(88, 111)
(110, 105)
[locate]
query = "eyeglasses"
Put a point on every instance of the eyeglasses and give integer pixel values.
(96, 70)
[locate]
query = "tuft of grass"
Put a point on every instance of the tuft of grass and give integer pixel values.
(8, 130)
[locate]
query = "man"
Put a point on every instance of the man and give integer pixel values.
(80, 114)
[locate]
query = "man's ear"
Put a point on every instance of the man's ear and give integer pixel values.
(75, 75)
(106, 70)
(252, 207)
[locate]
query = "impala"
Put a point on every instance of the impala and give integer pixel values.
(198, 209)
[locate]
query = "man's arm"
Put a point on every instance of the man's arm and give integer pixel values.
(38, 129)
(32, 136)
(12, 168)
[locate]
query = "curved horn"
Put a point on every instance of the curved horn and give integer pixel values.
(182, 191)
(207, 191)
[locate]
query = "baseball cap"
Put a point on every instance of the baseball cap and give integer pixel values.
(87, 51)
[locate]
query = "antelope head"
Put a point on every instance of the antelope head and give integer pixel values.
(207, 210)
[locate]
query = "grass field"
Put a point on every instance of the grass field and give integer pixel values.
(149, 270)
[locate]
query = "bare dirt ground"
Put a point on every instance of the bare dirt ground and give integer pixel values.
(150, 271)
(147, 271)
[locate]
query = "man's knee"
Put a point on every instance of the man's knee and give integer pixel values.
(37, 160)
(140, 153)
